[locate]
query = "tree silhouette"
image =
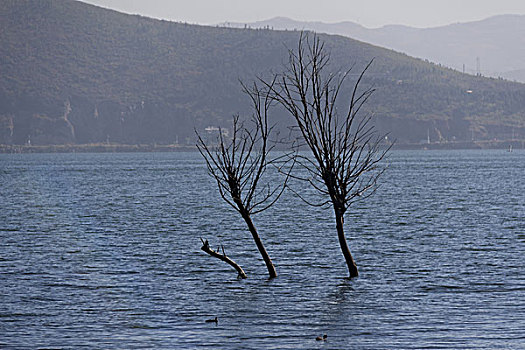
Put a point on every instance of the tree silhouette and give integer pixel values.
(345, 149)
(238, 164)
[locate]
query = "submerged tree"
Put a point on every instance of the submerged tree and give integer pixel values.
(345, 148)
(239, 163)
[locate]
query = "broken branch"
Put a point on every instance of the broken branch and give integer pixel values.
(206, 248)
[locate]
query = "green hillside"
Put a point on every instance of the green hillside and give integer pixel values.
(75, 73)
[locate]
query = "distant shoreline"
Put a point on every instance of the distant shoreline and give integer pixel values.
(123, 148)
(94, 148)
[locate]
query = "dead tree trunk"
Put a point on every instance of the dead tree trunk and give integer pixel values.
(350, 263)
(269, 264)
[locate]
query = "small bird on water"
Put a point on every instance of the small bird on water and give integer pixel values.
(216, 320)
(321, 338)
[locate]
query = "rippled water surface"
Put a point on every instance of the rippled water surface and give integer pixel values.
(103, 251)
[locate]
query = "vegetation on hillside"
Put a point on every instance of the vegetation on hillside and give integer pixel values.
(76, 73)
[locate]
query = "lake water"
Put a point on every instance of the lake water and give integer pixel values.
(103, 251)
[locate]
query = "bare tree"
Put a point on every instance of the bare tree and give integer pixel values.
(345, 149)
(239, 164)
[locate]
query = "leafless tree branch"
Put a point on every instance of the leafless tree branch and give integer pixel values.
(223, 257)
(239, 164)
(345, 150)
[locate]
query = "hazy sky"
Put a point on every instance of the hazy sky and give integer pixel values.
(370, 13)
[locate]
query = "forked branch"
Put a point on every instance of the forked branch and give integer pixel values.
(223, 257)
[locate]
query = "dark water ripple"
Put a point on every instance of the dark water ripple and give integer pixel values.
(102, 251)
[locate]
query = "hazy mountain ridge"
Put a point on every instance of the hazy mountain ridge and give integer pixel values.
(76, 73)
(497, 41)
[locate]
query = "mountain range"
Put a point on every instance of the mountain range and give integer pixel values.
(73, 73)
(493, 47)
